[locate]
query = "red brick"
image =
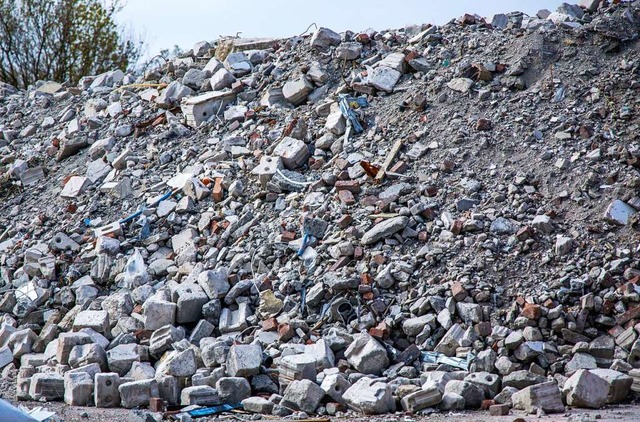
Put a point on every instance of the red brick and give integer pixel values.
(486, 404)
(270, 324)
(288, 236)
(411, 55)
(531, 311)
(346, 197)
(423, 236)
(351, 185)
(447, 166)
(379, 259)
(431, 191)
(458, 292)
(483, 124)
(365, 278)
(234, 125)
(156, 405)
(633, 313)
(217, 193)
(456, 228)
(399, 167)
(380, 331)
(341, 262)
(345, 221)
(499, 410)
(286, 332)
(237, 87)
(358, 252)
(363, 89)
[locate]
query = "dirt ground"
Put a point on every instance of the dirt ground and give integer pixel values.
(622, 413)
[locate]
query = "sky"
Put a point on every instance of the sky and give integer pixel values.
(165, 23)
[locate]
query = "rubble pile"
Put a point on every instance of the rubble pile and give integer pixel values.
(436, 217)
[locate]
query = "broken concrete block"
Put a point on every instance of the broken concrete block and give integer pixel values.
(202, 395)
(257, 405)
(324, 38)
(293, 152)
(586, 389)
(47, 387)
(383, 78)
(96, 320)
(244, 360)
(297, 91)
(78, 389)
(303, 395)
(545, 396)
(472, 393)
(233, 389)
(138, 393)
(189, 298)
(619, 384)
(370, 397)
(201, 108)
(619, 213)
(421, 399)
(366, 355)
(222, 79)
(158, 313)
(334, 386)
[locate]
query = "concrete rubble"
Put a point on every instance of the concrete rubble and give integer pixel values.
(434, 218)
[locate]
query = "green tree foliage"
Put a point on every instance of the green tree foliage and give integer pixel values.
(62, 40)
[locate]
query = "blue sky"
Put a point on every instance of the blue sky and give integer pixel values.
(164, 23)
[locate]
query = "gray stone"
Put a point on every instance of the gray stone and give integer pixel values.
(215, 283)
(503, 226)
(194, 78)
(462, 85)
(504, 397)
(580, 361)
(349, 51)
(542, 223)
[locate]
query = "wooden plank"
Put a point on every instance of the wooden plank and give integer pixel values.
(388, 161)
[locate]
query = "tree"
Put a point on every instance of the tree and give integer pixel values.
(62, 40)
